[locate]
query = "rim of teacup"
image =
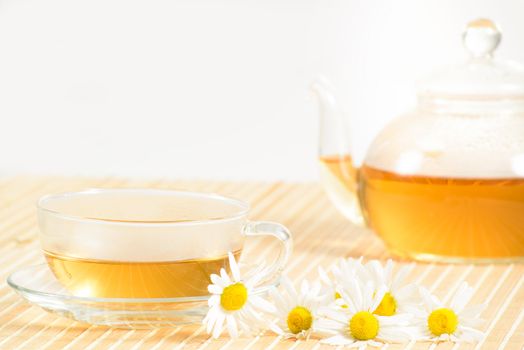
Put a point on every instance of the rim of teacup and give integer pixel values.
(242, 206)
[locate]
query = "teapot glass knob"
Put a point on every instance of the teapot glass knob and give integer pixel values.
(481, 38)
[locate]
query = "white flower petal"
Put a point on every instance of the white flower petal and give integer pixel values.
(282, 307)
(400, 277)
(250, 312)
(211, 319)
(215, 289)
(244, 327)
(340, 302)
(225, 277)
(461, 297)
(335, 315)
(374, 267)
(335, 270)
(421, 332)
(347, 300)
(375, 300)
(408, 308)
(292, 292)
(276, 329)
(254, 280)
(373, 343)
(216, 279)
(388, 272)
(471, 322)
(324, 277)
(234, 267)
(315, 289)
(277, 298)
(338, 340)
(470, 334)
(219, 325)
(360, 345)
(472, 311)
(398, 320)
(429, 301)
(304, 287)
(213, 300)
(406, 293)
(361, 271)
(328, 326)
(232, 326)
(262, 304)
(396, 333)
(356, 294)
(206, 318)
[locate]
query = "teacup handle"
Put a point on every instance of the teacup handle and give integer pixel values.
(280, 232)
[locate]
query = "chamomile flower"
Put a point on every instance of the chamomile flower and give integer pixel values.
(353, 322)
(232, 302)
(399, 297)
(296, 311)
(344, 269)
(455, 322)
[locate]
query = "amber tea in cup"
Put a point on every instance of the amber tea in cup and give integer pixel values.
(126, 243)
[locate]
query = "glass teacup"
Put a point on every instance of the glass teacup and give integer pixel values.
(133, 243)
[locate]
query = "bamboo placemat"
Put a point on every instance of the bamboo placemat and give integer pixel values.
(321, 235)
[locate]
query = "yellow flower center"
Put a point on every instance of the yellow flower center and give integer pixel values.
(363, 326)
(233, 297)
(387, 307)
(299, 319)
(442, 321)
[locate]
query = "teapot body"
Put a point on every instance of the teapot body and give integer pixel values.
(445, 186)
(439, 186)
(444, 182)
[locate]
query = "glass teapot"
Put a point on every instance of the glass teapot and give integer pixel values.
(444, 182)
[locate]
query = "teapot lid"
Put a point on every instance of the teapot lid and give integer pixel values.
(482, 77)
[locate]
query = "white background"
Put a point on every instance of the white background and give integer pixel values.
(213, 89)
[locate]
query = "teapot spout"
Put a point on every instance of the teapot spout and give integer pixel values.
(338, 175)
(333, 131)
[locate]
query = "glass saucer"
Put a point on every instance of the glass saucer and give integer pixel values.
(38, 285)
